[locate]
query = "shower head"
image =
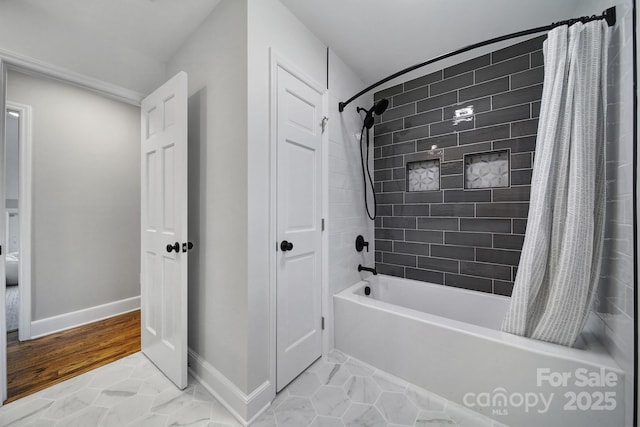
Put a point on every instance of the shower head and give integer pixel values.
(377, 109)
(380, 106)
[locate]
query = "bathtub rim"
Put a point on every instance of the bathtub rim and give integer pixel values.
(595, 355)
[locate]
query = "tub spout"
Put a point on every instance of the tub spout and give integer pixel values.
(371, 270)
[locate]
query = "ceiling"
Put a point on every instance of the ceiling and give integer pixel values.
(379, 37)
(374, 37)
(155, 27)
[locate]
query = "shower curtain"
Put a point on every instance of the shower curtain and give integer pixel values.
(560, 262)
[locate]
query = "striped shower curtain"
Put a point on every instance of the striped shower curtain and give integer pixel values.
(560, 263)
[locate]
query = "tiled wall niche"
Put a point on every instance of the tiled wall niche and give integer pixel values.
(487, 170)
(423, 175)
(468, 238)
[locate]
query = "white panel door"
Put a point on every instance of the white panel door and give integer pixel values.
(164, 228)
(299, 197)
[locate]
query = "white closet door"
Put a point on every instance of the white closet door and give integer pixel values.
(299, 207)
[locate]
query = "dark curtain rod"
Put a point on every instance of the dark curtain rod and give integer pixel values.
(609, 15)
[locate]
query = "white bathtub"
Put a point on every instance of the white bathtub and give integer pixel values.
(447, 340)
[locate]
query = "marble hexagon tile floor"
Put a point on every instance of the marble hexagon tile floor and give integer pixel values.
(128, 392)
(337, 391)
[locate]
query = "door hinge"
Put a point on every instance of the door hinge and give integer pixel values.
(323, 323)
(322, 224)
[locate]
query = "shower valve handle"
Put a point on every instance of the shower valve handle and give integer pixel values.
(286, 246)
(361, 244)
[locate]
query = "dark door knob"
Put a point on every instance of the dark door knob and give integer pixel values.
(174, 247)
(286, 246)
(187, 246)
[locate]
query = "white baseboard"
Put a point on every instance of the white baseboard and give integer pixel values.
(244, 407)
(65, 321)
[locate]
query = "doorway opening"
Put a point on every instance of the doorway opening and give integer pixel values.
(77, 171)
(12, 224)
(17, 221)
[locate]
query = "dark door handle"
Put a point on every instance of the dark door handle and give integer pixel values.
(187, 246)
(174, 247)
(286, 246)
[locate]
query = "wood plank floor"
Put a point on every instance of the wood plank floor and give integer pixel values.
(39, 363)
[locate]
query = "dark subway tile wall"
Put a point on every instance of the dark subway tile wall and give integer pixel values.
(470, 65)
(420, 81)
(470, 239)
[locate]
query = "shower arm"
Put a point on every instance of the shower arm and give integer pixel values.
(608, 15)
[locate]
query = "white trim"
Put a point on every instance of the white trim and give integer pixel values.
(3, 275)
(246, 408)
(273, 225)
(24, 212)
(327, 302)
(35, 67)
(276, 60)
(70, 320)
(636, 137)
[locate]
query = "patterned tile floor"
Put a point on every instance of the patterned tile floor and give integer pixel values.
(128, 392)
(337, 391)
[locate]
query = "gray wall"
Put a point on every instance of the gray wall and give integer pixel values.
(469, 238)
(215, 57)
(86, 196)
(227, 59)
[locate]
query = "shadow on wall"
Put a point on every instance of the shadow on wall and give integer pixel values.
(197, 204)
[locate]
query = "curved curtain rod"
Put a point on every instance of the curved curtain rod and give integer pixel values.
(609, 15)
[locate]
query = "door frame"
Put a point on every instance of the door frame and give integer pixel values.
(3, 276)
(278, 61)
(10, 61)
(24, 216)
